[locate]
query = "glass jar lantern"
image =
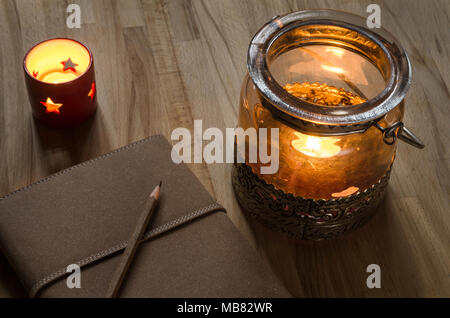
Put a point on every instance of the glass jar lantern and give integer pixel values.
(335, 91)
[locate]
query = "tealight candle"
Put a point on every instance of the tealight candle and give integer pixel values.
(60, 79)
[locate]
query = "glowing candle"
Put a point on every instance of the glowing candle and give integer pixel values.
(319, 147)
(60, 79)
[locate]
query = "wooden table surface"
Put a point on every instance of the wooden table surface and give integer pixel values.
(160, 64)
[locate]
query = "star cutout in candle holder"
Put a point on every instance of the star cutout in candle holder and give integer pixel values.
(69, 65)
(51, 107)
(92, 91)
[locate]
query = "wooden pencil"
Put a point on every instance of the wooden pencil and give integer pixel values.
(133, 243)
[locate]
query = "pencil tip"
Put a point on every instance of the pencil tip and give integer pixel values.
(155, 192)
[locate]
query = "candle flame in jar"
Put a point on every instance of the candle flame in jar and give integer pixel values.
(318, 147)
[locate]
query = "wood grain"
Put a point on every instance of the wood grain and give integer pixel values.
(160, 64)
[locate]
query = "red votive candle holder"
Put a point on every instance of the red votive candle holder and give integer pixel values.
(60, 79)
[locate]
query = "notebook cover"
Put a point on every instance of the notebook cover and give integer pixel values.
(85, 214)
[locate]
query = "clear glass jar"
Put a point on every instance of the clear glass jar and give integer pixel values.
(335, 91)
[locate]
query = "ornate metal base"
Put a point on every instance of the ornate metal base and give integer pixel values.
(301, 218)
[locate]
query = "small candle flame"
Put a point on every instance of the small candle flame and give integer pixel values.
(318, 147)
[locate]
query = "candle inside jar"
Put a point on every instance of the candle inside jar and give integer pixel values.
(323, 167)
(58, 61)
(315, 146)
(322, 94)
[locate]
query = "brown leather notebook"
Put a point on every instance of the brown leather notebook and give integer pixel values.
(85, 214)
